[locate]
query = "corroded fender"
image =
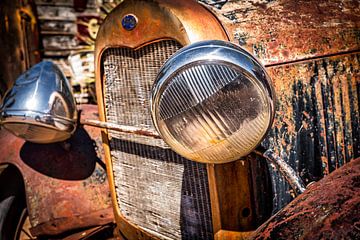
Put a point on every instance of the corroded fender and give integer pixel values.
(328, 209)
(65, 183)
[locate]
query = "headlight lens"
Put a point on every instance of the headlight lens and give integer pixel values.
(212, 102)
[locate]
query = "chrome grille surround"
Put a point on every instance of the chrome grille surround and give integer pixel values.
(158, 190)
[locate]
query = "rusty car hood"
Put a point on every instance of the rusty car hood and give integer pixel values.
(285, 31)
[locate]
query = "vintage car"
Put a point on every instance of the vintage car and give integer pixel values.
(210, 116)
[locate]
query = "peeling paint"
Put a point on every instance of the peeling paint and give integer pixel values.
(280, 31)
(316, 126)
(216, 3)
(329, 209)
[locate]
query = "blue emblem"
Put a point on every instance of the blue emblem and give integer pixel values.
(129, 22)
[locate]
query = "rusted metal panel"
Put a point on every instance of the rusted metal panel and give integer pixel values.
(279, 31)
(237, 210)
(316, 126)
(329, 209)
(66, 184)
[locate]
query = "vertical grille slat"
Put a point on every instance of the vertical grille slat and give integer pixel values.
(157, 189)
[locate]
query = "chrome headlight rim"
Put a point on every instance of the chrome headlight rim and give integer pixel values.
(214, 52)
(37, 119)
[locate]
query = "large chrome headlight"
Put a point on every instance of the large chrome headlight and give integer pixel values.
(212, 102)
(40, 107)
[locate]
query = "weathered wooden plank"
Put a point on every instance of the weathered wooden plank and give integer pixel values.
(58, 26)
(56, 13)
(65, 3)
(18, 40)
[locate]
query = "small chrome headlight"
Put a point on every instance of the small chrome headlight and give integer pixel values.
(212, 102)
(40, 107)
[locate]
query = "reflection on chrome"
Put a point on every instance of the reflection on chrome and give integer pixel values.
(31, 103)
(212, 102)
(40, 107)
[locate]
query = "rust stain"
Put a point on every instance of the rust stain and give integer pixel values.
(328, 209)
(284, 30)
(65, 183)
(316, 127)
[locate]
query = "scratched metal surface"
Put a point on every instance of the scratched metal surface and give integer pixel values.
(329, 209)
(278, 31)
(316, 127)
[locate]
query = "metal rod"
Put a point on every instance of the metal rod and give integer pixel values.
(121, 128)
(290, 175)
(285, 169)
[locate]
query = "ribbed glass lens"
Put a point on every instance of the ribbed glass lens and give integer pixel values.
(213, 112)
(212, 102)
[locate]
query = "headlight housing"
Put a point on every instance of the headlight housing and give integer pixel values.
(40, 107)
(212, 102)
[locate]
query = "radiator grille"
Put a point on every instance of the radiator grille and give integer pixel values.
(157, 189)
